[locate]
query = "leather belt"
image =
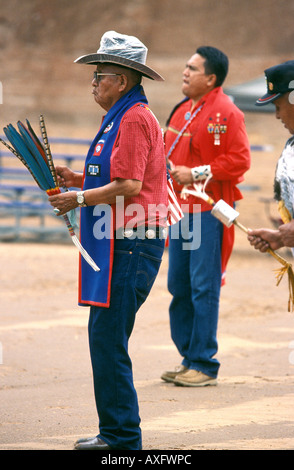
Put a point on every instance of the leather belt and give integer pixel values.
(141, 233)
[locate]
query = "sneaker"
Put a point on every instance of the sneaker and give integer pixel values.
(170, 375)
(194, 378)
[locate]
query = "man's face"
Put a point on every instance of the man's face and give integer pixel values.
(106, 88)
(195, 82)
(285, 112)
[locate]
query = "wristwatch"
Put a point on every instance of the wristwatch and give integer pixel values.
(81, 199)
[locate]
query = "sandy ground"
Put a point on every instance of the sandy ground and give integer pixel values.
(46, 396)
(46, 393)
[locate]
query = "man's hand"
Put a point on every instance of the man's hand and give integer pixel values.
(64, 202)
(263, 239)
(182, 174)
(68, 178)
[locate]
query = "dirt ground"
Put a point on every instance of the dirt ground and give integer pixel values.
(46, 394)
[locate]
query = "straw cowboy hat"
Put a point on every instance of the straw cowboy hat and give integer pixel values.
(120, 49)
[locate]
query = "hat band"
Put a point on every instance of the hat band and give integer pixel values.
(137, 56)
(269, 97)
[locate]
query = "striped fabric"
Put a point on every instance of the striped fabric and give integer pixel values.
(175, 213)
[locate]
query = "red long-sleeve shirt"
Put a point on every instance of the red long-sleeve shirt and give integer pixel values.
(219, 120)
(216, 137)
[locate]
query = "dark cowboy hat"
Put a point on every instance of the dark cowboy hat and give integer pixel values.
(123, 50)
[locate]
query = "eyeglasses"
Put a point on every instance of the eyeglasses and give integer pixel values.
(98, 75)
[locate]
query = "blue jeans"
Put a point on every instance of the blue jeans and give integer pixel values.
(194, 280)
(135, 267)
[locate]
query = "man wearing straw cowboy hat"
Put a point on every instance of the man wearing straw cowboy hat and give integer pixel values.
(280, 92)
(125, 163)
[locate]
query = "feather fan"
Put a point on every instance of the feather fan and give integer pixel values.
(37, 158)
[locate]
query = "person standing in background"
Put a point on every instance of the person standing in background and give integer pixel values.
(211, 142)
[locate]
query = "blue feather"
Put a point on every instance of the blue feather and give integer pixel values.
(17, 142)
(36, 154)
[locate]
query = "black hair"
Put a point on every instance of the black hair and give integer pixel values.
(216, 62)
